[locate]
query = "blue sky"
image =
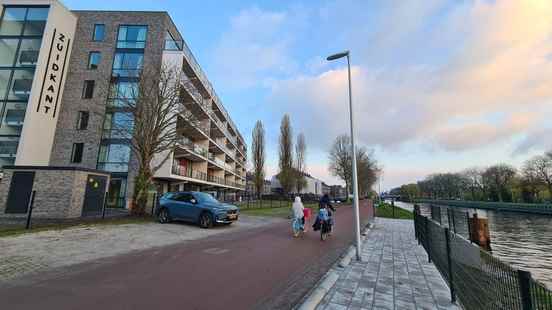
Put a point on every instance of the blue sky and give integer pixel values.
(438, 85)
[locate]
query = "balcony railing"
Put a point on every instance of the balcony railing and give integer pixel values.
(189, 145)
(180, 45)
(202, 176)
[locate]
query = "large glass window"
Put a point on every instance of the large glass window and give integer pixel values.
(21, 83)
(13, 21)
(24, 21)
(127, 64)
(118, 125)
(114, 157)
(122, 94)
(4, 82)
(132, 36)
(8, 49)
(36, 21)
(28, 52)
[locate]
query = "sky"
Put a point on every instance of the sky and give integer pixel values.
(438, 86)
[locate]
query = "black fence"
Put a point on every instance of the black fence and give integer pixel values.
(476, 278)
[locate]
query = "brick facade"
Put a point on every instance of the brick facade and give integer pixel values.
(59, 193)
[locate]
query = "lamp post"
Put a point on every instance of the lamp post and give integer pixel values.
(353, 151)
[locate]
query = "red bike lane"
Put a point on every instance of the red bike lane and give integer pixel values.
(261, 268)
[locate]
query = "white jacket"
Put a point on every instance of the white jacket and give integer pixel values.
(298, 208)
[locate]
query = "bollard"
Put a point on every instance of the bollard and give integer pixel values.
(449, 263)
(104, 205)
(427, 241)
(30, 209)
(524, 281)
(154, 204)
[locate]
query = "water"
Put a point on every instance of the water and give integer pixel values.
(520, 239)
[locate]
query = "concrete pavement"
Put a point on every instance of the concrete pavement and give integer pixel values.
(394, 274)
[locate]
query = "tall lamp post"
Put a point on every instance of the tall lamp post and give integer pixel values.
(353, 151)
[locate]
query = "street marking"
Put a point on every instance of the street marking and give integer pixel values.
(215, 251)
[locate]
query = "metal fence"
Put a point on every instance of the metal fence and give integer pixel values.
(476, 278)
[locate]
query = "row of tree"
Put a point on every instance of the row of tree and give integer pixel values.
(292, 159)
(531, 183)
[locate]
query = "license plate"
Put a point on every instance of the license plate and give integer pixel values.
(232, 216)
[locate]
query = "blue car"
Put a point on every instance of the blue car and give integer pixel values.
(197, 207)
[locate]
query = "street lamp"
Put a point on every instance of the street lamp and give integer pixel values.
(353, 150)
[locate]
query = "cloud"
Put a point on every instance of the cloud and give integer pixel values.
(535, 140)
(500, 63)
(256, 47)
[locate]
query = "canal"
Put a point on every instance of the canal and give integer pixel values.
(521, 239)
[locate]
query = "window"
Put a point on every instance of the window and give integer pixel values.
(132, 36)
(28, 52)
(127, 64)
(36, 21)
(76, 153)
(21, 83)
(99, 32)
(88, 89)
(171, 44)
(122, 94)
(118, 125)
(8, 48)
(94, 60)
(19, 21)
(82, 120)
(13, 21)
(114, 157)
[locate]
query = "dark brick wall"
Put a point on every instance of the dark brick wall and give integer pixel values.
(72, 103)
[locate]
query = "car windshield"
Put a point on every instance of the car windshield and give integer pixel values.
(204, 197)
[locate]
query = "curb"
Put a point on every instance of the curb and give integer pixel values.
(323, 286)
(327, 282)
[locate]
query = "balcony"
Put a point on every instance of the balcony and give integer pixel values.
(8, 149)
(190, 150)
(28, 58)
(15, 117)
(198, 77)
(202, 176)
(22, 87)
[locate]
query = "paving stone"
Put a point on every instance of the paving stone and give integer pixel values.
(393, 275)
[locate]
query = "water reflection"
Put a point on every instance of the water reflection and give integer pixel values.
(523, 240)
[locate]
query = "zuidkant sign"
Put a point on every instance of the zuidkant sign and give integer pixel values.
(53, 75)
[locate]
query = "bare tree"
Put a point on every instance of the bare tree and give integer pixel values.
(258, 157)
(531, 180)
(300, 165)
(543, 167)
(498, 179)
(341, 160)
(286, 175)
(474, 180)
(153, 109)
(341, 164)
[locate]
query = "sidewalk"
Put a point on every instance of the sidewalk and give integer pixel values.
(394, 274)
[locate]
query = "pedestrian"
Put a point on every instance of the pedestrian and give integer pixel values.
(298, 215)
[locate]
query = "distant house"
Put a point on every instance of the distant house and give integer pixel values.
(250, 186)
(313, 186)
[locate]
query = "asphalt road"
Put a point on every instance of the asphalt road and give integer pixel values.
(261, 268)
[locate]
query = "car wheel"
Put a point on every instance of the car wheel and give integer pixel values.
(164, 216)
(205, 220)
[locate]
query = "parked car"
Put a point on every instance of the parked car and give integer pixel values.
(197, 207)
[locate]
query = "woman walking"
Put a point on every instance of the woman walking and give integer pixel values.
(298, 222)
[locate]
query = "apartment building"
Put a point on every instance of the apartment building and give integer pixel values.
(63, 77)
